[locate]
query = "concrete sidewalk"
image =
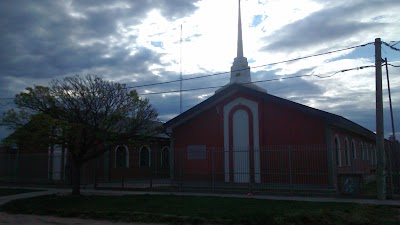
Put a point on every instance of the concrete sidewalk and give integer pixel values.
(40, 192)
(47, 191)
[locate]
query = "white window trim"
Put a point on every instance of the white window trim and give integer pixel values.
(140, 154)
(367, 152)
(362, 151)
(338, 151)
(347, 154)
(162, 154)
(353, 144)
(127, 156)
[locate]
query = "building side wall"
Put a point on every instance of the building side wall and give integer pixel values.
(134, 169)
(360, 165)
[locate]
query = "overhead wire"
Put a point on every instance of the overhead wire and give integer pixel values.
(261, 81)
(393, 65)
(391, 46)
(220, 73)
(253, 67)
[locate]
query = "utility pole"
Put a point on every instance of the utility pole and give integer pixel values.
(380, 146)
(180, 73)
(392, 142)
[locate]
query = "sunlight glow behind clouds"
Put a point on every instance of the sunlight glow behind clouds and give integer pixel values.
(138, 42)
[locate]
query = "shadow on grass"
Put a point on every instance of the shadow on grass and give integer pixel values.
(202, 210)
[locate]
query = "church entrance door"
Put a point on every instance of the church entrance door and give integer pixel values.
(241, 144)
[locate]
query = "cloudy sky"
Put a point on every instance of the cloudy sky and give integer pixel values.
(137, 42)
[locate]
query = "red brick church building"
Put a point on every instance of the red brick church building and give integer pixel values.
(243, 134)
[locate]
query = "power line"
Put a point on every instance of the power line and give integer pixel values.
(260, 81)
(265, 65)
(267, 80)
(393, 65)
(391, 46)
(397, 42)
(220, 73)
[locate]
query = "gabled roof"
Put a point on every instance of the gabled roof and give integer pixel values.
(329, 118)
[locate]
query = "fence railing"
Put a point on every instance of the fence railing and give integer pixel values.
(283, 169)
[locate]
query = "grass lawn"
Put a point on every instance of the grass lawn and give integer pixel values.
(203, 210)
(14, 191)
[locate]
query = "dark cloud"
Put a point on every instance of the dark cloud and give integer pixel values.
(43, 40)
(329, 25)
(52, 38)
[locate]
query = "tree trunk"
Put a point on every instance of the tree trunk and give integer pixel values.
(76, 176)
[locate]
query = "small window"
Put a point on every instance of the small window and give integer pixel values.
(144, 157)
(346, 152)
(165, 158)
(362, 151)
(366, 152)
(121, 157)
(353, 150)
(337, 151)
(371, 152)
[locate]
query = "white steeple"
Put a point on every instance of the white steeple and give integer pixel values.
(240, 70)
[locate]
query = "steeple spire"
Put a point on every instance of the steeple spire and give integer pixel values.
(240, 39)
(240, 70)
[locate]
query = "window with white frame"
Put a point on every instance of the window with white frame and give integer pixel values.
(121, 157)
(353, 149)
(337, 151)
(165, 158)
(144, 156)
(371, 152)
(362, 151)
(346, 152)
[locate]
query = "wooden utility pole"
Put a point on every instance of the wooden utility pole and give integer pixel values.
(381, 183)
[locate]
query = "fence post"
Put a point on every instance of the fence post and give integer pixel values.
(290, 170)
(95, 173)
(251, 172)
(181, 170)
(389, 174)
(151, 177)
(213, 169)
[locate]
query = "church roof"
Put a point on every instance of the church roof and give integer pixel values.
(262, 96)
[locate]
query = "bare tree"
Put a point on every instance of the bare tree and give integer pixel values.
(91, 115)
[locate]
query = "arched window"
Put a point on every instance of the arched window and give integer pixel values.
(372, 156)
(165, 158)
(371, 152)
(337, 151)
(353, 149)
(121, 157)
(362, 151)
(346, 152)
(144, 156)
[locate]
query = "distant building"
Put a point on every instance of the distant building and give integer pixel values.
(32, 157)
